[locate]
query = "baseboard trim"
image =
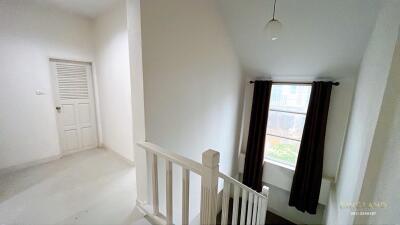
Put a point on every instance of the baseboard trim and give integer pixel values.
(29, 164)
(25, 165)
(130, 162)
(67, 153)
(147, 211)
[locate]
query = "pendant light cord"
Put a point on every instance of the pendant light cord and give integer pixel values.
(273, 15)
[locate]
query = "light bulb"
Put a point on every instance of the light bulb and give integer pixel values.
(273, 29)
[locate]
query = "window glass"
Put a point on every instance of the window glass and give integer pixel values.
(286, 118)
(282, 150)
(287, 125)
(293, 98)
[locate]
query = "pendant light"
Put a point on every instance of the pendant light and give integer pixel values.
(273, 27)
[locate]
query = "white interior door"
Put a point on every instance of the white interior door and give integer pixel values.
(75, 105)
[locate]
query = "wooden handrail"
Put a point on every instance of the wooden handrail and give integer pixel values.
(253, 204)
(175, 158)
(241, 185)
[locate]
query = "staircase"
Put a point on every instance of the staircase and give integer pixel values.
(249, 206)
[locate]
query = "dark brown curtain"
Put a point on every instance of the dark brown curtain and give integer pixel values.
(253, 166)
(308, 174)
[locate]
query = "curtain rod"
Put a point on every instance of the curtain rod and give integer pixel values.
(288, 82)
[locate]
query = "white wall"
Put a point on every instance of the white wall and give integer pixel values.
(30, 35)
(114, 81)
(382, 181)
(136, 67)
(192, 82)
(365, 112)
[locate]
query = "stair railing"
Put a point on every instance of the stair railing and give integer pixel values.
(253, 204)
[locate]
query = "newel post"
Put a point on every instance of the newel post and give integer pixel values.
(209, 186)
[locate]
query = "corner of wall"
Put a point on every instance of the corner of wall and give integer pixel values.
(366, 109)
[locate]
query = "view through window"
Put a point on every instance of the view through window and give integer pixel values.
(286, 118)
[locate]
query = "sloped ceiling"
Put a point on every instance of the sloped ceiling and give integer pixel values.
(86, 8)
(320, 38)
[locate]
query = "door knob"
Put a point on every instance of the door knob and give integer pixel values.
(58, 108)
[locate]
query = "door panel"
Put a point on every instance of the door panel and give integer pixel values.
(71, 140)
(84, 113)
(68, 114)
(87, 137)
(74, 95)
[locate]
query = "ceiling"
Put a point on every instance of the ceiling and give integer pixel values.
(86, 8)
(320, 38)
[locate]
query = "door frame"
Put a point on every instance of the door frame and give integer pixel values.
(92, 95)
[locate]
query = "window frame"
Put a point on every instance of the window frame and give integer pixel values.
(271, 109)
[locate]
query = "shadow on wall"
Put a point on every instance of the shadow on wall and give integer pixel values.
(381, 179)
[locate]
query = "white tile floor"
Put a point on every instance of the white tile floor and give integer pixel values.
(90, 187)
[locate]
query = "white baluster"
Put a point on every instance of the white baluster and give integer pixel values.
(265, 192)
(249, 208)
(209, 186)
(255, 202)
(156, 210)
(235, 205)
(259, 210)
(168, 169)
(225, 202)
(243, 210)
(185, 196)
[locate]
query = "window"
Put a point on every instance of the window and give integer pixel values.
(286, 118)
